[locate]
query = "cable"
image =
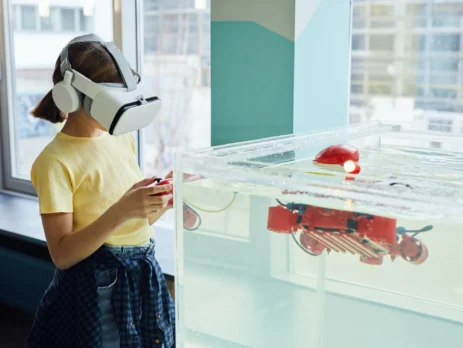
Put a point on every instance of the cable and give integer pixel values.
(213, 211)
(281, 203)
(192, 207)
(299, 244)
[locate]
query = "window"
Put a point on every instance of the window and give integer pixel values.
(440, 125)
(358, 16)
(445, 42)
(68, 19)
(447, 15)
(358, 42)
(28, 17)
(49, 23)
(382, 43)
(444, 65)
(34, 59)
(176, 62)
(51, 19)
(416, 56)
(85, 22)
(415, 43)
(381, 10)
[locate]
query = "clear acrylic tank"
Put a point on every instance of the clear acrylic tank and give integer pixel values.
(274, 250)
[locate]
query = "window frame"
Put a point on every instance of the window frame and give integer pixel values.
(8, 107)
(125, 14)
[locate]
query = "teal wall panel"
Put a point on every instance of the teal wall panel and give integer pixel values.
(252, 82)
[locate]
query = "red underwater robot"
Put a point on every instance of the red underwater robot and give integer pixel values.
(369, 236)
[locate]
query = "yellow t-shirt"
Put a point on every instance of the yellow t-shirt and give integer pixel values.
(86, 176)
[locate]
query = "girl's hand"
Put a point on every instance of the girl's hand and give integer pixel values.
(157, 215)
(140, 202)
(171, 203)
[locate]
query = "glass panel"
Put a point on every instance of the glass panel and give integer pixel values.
(333, 259)
(382, 43)
(85, 21)
(28, 17)
(358, 42)
(447, 14)
(33, 76)
(424, 76)
(176, 64)
(68, 20)
(50, 21)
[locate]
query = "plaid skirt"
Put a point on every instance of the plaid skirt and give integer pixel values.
(118, 297)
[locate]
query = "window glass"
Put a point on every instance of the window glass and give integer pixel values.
(85, 21)
(439, 125)
(381, 42)
(358, 42)
(68, 19)
(177, 65)
(445, 42)
(32, 76)
(49, 22)
(416, 59)
(28, 17)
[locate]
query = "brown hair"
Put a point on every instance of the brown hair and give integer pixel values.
(93, 61)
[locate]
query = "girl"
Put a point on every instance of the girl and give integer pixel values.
(96, 209)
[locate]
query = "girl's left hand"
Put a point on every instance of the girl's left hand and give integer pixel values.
(170, 176)
(156, 216)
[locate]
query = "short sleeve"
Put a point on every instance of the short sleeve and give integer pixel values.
(53, 184)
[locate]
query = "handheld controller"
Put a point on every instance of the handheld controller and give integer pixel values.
(166, 182)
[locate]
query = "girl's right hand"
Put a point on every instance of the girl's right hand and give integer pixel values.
(140, 202)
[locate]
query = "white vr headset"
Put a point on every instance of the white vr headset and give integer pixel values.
(120, 108)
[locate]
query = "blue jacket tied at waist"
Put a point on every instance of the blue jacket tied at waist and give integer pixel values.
(69, 313)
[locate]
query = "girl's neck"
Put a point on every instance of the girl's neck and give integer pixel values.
(79, 124)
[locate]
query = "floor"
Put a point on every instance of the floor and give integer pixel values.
(14, 327)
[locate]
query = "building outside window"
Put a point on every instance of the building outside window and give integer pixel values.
(28, 17)
(440, 125)
(68, 19)
(413, 51)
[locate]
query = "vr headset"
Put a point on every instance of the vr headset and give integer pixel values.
(120, 108)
